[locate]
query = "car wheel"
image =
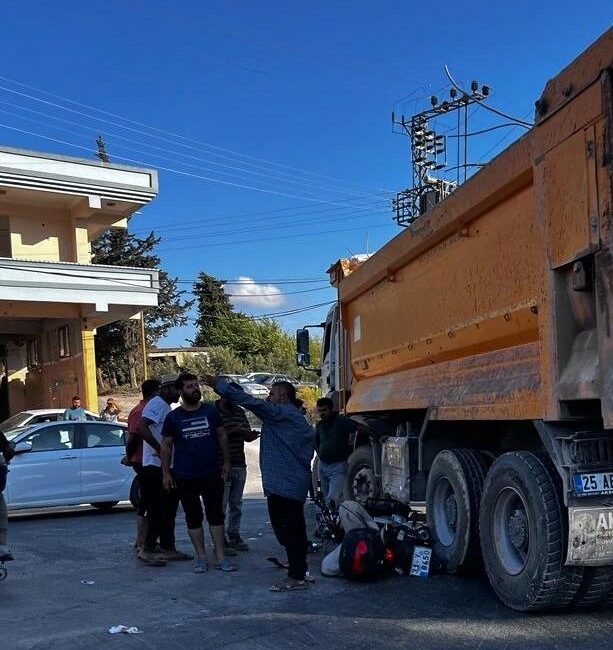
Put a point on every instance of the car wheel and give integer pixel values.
(105, 505)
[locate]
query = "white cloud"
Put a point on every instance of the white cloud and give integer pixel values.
(249, 294)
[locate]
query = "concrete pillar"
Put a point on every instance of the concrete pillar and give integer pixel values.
(90, 388)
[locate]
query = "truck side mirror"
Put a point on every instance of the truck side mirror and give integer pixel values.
(302, 341)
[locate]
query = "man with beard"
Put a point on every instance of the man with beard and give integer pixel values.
(194, 439)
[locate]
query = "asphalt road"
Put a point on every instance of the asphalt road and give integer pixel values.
(44, 605)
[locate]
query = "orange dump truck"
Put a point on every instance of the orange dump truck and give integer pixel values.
(476, 348)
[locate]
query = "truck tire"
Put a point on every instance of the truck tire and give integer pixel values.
(523, 535)
(453, 494)
(360, 481)
(596, 587)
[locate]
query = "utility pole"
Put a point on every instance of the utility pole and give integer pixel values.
(102, 153)
(429, 151)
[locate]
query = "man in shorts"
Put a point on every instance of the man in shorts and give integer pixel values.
(192, 438)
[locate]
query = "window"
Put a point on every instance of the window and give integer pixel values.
(56, 437)
(64, 341)
(50, 417)
(32, 353)
(101, 435)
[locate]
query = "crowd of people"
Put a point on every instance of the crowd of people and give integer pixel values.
(188, 451)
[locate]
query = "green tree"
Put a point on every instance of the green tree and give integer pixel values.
(118, 344)
(255, 344)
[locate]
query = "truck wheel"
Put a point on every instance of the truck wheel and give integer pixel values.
(453, 494)
(523, 535)
(360, 481)
(596, 587)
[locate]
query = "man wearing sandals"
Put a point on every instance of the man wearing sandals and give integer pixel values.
(194, 440)
(286, 451)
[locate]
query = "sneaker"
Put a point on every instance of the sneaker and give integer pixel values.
(200, 565)
(225, 566)
(239, 544)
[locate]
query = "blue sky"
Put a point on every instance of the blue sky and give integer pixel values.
(269, 122)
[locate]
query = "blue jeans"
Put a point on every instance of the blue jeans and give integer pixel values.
(233, 501)
(332, 478)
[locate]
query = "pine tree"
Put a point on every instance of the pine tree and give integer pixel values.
(118, 344)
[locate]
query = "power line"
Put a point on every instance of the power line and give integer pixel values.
(527, 125)
(232, 218)
(233, 242)
(177, 171)
(186, 139)
(285, 177)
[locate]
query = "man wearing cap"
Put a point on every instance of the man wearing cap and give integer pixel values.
(161, 505)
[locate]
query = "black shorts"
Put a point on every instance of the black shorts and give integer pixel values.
(211, 489)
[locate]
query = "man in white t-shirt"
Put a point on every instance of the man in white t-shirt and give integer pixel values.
(161, 505)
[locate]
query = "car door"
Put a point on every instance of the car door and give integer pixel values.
(47, 474)
(103, 477)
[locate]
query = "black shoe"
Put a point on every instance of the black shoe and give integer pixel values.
(238, 544)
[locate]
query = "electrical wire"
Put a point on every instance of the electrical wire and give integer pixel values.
(186, 139)
(286, 177)
(527, 125)
(177, 171)
(233, 242)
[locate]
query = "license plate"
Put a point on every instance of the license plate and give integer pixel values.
(590, 536)
(595, 483)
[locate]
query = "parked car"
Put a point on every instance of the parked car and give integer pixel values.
(273, 379)
(69, 463)
(253, 388)
(37, 416)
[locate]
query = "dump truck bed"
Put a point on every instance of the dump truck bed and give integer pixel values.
(496, 304)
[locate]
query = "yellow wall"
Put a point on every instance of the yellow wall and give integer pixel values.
(40, 238)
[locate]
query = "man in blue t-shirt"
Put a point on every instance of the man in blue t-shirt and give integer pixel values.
(193, 443)
(76, 411)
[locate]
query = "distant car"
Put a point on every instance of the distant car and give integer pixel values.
(69, 463)
(37, 416)
(255, 389)
(273, 379)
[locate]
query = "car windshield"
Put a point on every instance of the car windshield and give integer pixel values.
(14, 421)
(13, 433)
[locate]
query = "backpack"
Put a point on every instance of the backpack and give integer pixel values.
(361, 555)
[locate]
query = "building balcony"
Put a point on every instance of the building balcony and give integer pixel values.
(96, 293)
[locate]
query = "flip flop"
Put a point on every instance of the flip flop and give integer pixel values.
(290, 584)
(152, 561)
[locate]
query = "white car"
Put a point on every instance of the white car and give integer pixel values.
(37, 416)
(68, 463)
(252, 388)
